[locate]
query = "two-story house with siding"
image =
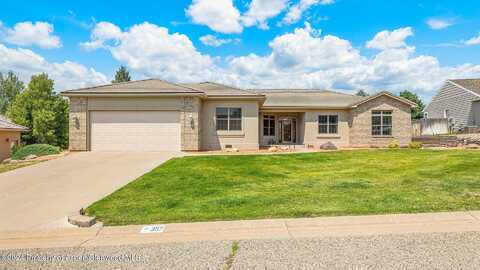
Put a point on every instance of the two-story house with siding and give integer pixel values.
(459, 101)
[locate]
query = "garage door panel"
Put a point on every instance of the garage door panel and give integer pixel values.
(135, 130)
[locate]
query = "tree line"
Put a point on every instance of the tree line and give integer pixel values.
(38, 107)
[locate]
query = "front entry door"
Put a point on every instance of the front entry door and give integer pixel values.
(288, 130)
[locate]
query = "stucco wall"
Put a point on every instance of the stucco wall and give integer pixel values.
(247, 138)
(312, 137)
(7, 138)
(361, 123)
(188, 106)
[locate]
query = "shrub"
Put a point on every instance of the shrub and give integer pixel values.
(394, 144)
(415, 145)
(35, 149)
(15, 148)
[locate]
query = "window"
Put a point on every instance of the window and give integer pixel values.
(229, 119)
(328, 124)
(268, 125)
(381, 123)
(446, 114)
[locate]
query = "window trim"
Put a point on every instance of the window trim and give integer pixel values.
(382, 114)
(228, 119)
(272, 119)
(328, 124)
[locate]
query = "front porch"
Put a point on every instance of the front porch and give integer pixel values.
(282, 129)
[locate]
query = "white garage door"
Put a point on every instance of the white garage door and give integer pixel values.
(135, 131)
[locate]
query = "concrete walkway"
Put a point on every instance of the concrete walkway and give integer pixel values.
(42, 195)
(248, 229)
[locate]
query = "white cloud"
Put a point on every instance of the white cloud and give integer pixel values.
(31, 34)
(438, 24)
(307, 60)
(259, 11)
(67, 75)
(213, 41)
(154, 52)
(473, 41)
(390, 39)
(101, 33)
(220, 15)
(303, 58)
(295, 11)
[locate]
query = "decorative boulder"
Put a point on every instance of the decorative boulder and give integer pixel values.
(273, 149)
(232, 149)
(472, 146)
(30, 157)
(6, 161)
(328, 146)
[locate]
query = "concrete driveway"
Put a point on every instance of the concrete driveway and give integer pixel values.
(41, 196)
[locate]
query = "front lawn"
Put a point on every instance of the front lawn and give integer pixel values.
(297, 185)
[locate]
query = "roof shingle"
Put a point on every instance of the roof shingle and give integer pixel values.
(307, 98)
(6, 123)
(216, 89)
(471, 84)
(153, 86)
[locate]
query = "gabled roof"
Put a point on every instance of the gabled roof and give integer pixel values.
(149, 86)
(7, 124)
(384, 93)
(470, 84)
(212, 89)
(306, 98)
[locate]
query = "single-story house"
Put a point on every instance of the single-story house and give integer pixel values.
(155, 115)
(9, 136)
(458, 101)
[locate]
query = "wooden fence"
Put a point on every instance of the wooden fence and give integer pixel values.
(431, 126)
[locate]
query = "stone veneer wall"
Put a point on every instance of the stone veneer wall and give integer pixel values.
(361, 123)
(78, 124)
(190, 121)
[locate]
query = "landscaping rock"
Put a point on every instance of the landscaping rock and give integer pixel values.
(273, 149)
(472, 146)
(6, 161)
(30, 157)
(232, 150)
(328, 146)
(81, 221)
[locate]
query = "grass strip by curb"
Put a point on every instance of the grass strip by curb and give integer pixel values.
(231, 258)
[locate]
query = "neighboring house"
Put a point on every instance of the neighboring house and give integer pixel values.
(9, 136)
(158, 115)
(458, 101)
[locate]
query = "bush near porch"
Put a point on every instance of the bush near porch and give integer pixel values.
(204, 188)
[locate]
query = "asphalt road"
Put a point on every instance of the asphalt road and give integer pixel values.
(405, 251)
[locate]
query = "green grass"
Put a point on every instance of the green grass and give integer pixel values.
(35, 149)
(357, 182)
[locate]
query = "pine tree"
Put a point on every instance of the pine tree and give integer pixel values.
(122, 75)
(361, 93)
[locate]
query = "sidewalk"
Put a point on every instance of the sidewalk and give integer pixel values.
(247, 229)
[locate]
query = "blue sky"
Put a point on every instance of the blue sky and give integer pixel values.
(344, 44)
